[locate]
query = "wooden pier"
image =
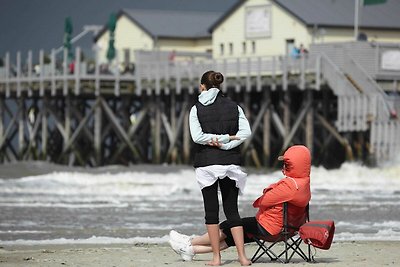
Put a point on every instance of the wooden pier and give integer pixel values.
(92, 117)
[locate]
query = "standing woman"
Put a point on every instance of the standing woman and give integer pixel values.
(218, 126)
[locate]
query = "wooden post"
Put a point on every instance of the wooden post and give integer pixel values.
(117, 76)
(53, 72)
(65, 72)
(18, 74)
(186, 132)
(97, 74)
(29, 73)
(41, 64)
(318, 72)
(77, 70)
(1, 127)
(7, 61)
(44, 128)
(267, 129)
(21, 139)
(157, 131)
(285, 66)
(286, 110)
(67, 121)
(310, 123)
(238, 80)
(173, 124)
(97, 133)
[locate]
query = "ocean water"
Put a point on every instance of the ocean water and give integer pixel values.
(41, 203)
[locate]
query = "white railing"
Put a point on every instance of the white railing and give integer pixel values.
(384, 140)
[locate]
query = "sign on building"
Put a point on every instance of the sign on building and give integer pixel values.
(258, 21)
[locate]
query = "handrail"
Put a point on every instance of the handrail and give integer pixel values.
(339, 75)
(371, 81)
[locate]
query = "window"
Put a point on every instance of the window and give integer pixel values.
(230, 48)
(253, 47)
(244, 47)
(221, 49)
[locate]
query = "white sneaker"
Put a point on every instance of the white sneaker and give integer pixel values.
(186, 253)
(176, 246)
(180, 238)
(181, 245)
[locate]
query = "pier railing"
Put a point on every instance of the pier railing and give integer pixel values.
(361, 104)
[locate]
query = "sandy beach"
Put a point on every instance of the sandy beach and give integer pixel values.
(359, 253)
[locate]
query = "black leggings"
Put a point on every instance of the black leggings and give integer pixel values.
(250, 228)
(229, 193)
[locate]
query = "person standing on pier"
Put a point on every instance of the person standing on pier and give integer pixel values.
(218, 126)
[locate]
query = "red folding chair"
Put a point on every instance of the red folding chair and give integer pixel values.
(267, 244)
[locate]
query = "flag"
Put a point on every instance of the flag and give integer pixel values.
(373, 2)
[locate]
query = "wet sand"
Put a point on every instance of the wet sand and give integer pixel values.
(360, 253)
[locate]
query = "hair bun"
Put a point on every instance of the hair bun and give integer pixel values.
(218, 78)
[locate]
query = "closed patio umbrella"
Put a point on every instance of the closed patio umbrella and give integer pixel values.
(68, 29)
(111, 27)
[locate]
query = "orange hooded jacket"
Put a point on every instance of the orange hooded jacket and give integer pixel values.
(294, 189)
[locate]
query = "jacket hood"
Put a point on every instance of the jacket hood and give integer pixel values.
(208, 97)
(297, 160)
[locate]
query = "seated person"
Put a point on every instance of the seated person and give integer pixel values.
(294, 188)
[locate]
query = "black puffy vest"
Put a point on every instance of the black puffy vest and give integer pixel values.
(221, 117)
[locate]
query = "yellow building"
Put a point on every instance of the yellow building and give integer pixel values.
(157, 30)
(274, 27)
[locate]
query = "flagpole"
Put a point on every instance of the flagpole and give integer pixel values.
(356, 14)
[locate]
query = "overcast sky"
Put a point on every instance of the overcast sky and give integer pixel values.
(35, 24)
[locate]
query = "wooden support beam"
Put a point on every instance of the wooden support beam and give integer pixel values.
(278, 124)
(85, 129)
(256, 125)
(132, 130)
(119, 130)
(296, 125)
(32, 131)
(334, 132)
(78, 129)
(175, 133)
(12, 123)
(58, 123)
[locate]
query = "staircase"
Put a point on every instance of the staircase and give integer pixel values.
(362, 103)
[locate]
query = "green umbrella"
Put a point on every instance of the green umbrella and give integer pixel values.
(111, 27)
(68, 28)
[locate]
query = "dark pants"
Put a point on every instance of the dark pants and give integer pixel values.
(229, 193)
(250, 228)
